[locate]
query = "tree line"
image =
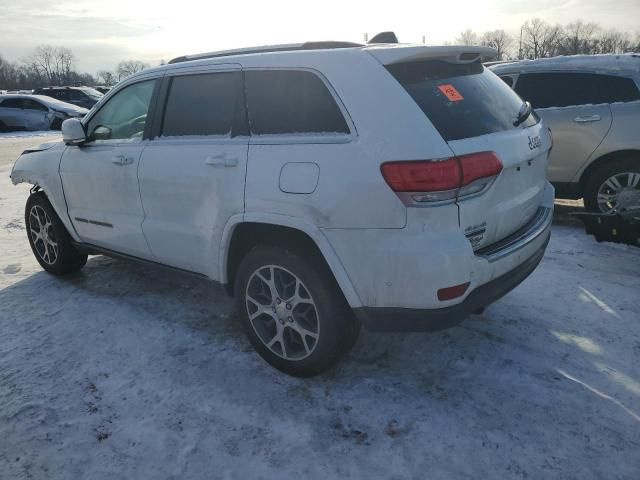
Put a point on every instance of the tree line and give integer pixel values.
(537, 39)
(55, 66)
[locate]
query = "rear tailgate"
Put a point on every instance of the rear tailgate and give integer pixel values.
(474, 111)
(516, 194)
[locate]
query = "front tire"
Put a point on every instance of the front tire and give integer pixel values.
(49, 239)
(613, 186)
(293, 311)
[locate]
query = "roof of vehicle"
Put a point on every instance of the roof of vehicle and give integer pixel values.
(386, 53)
(287, 47)
(628, 63)
(49, 101)
(62, 88)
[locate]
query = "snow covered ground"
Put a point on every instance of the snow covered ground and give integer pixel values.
(128, 372)
(26, 134)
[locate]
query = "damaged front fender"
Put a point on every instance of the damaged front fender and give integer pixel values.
(40, 166)
(37, 163)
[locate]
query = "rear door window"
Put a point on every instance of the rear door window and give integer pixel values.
(461, 100)
(560, 89)
(33, 105)
(291, 102)
(201, 105)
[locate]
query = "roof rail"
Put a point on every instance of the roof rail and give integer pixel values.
(267, 49)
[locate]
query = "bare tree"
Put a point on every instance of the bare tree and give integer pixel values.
(106, 77)
(540, 39)
(579, 38)
(498, 39)
(468, 37)
(53, 64)
(613, 41)
(9, 75)
(129, 67)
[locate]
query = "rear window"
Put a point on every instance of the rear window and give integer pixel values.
(461, 100)
(291, 102)
(619, 89)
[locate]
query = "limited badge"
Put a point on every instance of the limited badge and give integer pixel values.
(450, 92)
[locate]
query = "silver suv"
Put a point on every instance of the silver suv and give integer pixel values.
(592, 105)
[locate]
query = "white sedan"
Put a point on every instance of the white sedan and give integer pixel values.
(35, 112)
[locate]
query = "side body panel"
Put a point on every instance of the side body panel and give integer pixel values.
(103, 197)
(191, 185)
(624, 134)
(577, 132)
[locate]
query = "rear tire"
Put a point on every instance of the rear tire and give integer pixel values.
(604, 181)
(49, 239)
(293, 311)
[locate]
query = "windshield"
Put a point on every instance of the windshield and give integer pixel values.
(461, 100)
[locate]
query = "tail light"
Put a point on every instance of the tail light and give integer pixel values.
(425, 182)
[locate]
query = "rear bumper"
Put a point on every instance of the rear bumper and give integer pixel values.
(391, 319)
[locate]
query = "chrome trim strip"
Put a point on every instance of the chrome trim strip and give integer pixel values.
(93, 222)
(521, 238)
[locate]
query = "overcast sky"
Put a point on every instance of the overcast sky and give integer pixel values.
(103, 32)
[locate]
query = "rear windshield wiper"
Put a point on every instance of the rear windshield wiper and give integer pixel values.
(523, 114)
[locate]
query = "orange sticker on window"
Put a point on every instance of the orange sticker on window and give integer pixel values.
(450, 92)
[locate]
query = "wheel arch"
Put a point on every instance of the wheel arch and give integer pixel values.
(602, 160)
(246, 231)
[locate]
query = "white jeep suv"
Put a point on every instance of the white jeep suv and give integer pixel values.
(325, 184)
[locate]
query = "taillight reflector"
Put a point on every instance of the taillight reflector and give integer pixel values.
(450, 293)
(441, 175)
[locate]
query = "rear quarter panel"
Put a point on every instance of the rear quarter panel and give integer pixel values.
(386, 125)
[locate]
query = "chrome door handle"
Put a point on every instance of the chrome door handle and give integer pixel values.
(221, 160)
(122, 160)
(587, 119)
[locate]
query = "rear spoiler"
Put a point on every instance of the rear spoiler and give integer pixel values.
(392, 54)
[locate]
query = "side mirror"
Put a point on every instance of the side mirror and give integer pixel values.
(73, 132)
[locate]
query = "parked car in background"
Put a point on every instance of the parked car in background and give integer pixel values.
(324, 184)
(35, 112)
(85, 97)
(592, 105)
(102, 88)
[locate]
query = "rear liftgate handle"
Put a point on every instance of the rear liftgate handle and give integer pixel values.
(221, 160)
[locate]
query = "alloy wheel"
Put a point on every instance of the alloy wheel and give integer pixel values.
(619, 191)
(43, 235)
(282, 312)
